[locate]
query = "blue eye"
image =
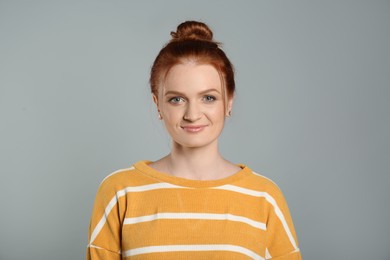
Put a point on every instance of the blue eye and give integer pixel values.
(175, 100)
(209, 98)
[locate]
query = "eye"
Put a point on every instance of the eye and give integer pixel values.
(209, 98)
(175, 100)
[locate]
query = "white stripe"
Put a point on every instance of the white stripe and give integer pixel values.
(296, 250)
(108, 209)
(101, 248)
(270, 199)
(121, 193)
(267, 254)
(208, 216)
(121, 170)
(97, 247)
(177, 248)
(258, 174)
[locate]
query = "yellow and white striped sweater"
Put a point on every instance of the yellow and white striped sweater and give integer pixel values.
(140, 213)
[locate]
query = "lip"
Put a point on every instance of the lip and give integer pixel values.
(193, 128)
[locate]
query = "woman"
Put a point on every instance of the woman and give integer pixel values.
(191, 204)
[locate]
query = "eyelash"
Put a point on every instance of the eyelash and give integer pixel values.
(177, 100)
(206, 98)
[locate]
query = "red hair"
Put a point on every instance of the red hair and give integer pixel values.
(192, 42)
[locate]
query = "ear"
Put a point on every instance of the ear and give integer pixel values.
(229, 106)
(155, 100)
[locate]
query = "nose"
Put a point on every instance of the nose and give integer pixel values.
(193, 112)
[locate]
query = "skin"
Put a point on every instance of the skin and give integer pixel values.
(191, 105)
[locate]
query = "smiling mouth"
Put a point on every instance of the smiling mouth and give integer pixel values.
(193, 129)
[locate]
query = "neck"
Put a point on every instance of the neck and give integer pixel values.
(195, 163)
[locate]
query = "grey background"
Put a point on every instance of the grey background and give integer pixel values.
(311, 113)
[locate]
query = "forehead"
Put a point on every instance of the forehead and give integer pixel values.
(192, 77)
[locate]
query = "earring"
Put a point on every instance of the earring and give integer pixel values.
(159, 116)
(229, 113)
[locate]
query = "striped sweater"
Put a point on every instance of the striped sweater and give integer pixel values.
(140, 213)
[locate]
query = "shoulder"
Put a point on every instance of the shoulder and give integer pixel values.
(118, 175)
(258, 182)
(263, 188)
(123, 178)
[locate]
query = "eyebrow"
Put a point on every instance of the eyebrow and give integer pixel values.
(172, 92)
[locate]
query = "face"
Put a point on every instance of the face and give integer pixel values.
(191, 105)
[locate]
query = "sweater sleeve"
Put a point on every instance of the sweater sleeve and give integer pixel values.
(98, 253)
(105, 225)
(282, 243)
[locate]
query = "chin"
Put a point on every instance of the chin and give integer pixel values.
(196, 140)
(196, 143)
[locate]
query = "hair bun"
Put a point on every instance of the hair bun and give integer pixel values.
(192, 30)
